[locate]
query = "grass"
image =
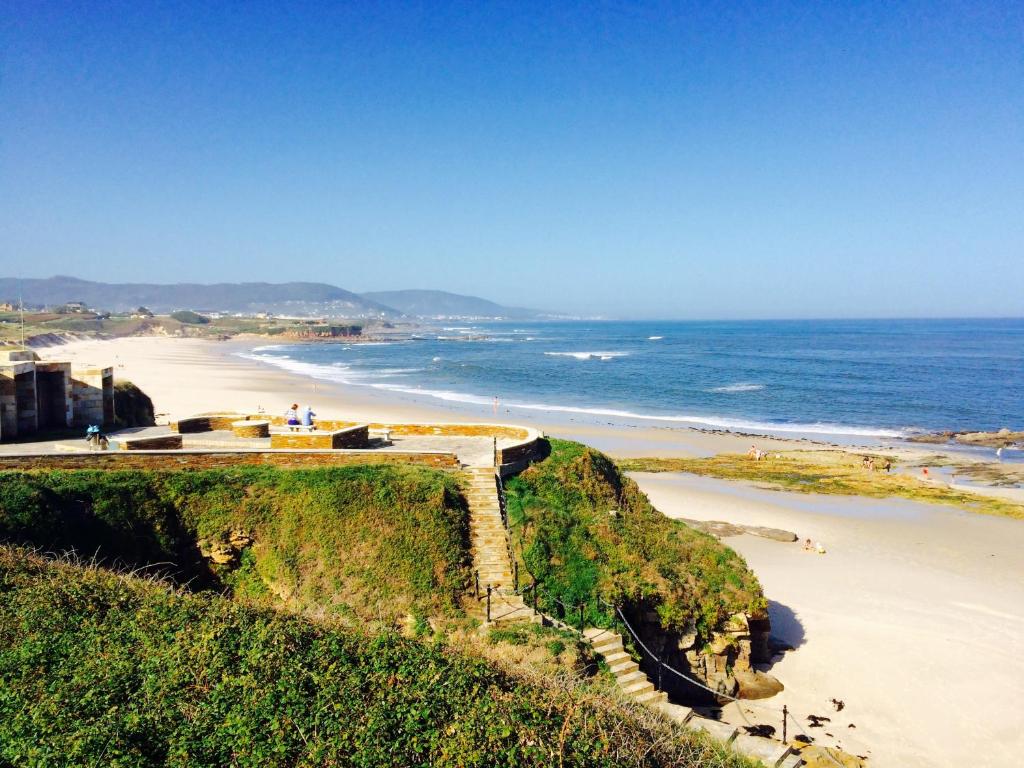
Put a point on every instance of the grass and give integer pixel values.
(584, 531)
(827, 472)
(98, 668)
(370, 541)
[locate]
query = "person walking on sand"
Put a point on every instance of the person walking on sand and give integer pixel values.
(291, 416)
(307, 416)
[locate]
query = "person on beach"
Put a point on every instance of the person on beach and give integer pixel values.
(291, 416)
(999, 453)
(307, 416)
(808, 547)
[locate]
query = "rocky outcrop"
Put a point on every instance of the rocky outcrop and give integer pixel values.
(724, 663)
(721, 529)
(996, 439)
(226, 551)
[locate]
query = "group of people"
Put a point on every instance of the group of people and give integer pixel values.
(294, 418)
(868, 463)
(756, 454)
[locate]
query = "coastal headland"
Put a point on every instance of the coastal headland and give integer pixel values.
(912, 617)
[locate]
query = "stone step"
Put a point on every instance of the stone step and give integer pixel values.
(715, 728)
(637, 687)
(623, 667)
(611, 659)
(769, 752)
(628, 678)
(607, 647)
(494, 542)
(652, 698)
(676, 712)
(793, 761)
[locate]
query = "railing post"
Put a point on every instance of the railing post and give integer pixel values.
(488, 603)
(785, 714)
(582, 605)
(515, 575)
(476, 583)
(535, 596)
(661, 666)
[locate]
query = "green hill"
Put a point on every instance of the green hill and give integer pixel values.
(586, 532)
(98, 668)
(373, 541)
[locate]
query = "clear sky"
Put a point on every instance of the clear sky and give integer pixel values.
(710, 160)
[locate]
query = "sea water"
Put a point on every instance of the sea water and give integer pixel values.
(859, 379)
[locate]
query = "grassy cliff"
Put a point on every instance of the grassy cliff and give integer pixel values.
(583, 531)
(104, 669)
(373, 541)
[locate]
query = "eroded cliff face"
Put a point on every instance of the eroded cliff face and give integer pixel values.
(725, 662)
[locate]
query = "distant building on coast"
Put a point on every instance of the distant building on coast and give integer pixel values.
(37, 396)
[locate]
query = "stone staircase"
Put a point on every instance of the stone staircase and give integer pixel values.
(492, 560)
(490, 547)
(634, 683)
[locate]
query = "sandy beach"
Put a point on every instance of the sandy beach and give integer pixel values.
(914, 618)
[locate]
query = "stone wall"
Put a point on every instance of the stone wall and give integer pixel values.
(174, 460)
(351, 437)
(92, 395)
(9, 374)
(54, 395)
(157, 443)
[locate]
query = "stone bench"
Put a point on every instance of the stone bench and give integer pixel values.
(156, 443)
(350, 437)
(250, 429)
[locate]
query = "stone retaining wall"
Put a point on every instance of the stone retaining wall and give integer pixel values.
(158, 443)
(351, 437)
(175, 460)
(251, 429)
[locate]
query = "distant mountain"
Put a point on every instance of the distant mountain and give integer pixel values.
(437, 304)
(283, 298)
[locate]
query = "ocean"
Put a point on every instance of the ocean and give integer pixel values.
(850, 379)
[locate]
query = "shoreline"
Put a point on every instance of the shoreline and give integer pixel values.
(147, 359)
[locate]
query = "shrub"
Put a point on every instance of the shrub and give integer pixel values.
(188, 317)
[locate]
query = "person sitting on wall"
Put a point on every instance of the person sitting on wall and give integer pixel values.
(291, 416)
(307, 417)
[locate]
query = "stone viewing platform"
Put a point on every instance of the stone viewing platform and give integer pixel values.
(222, 439)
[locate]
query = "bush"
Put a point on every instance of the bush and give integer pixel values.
(189, 317)
(132, 406)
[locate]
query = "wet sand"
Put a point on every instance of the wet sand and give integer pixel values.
(914, 617)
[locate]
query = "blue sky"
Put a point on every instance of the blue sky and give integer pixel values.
(672, 160)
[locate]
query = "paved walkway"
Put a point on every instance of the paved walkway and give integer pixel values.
(472, 451)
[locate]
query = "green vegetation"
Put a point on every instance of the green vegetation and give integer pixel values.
(105, 669)
(830, 472)
(376, 541)
(189, 317)
(584, 531)
(132, 406)
(177, 324)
